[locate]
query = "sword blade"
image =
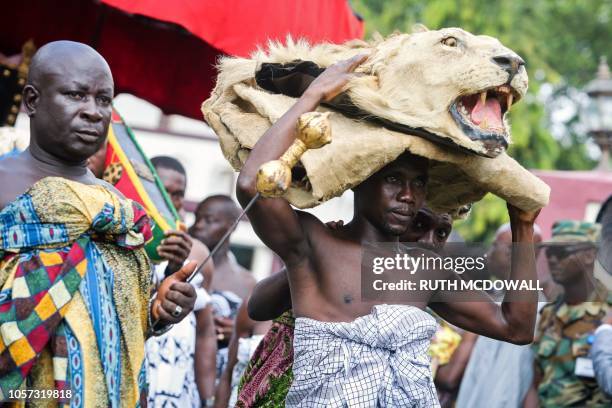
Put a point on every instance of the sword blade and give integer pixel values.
(225, 237)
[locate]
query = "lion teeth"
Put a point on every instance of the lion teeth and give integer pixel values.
(483, 97)
(509, 102)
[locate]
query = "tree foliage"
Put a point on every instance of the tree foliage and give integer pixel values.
(560, 40)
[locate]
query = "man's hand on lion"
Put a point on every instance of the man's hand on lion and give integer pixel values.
(333, 80)
(518, 216)
(175, 297)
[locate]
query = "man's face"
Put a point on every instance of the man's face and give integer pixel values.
(429, 228)
(569, 263)
(390, 198)
(175, 184)
(72, 111)
(211, 223)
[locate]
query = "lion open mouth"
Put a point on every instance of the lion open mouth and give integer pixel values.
(481, 116)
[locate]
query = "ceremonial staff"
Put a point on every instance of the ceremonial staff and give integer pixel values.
(274, 177)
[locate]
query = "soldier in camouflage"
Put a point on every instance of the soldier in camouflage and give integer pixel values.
(563, 370)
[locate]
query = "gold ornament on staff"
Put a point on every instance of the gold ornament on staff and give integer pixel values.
(313, 132)
(274, 177)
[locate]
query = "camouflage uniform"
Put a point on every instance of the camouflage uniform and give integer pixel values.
(565, 332)
(562, 336)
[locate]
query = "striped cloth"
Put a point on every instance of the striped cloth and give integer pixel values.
(378, 360)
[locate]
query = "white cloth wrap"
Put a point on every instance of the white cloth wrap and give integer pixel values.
(378, 360)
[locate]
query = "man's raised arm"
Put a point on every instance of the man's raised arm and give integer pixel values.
(273, 219)
(514, 320)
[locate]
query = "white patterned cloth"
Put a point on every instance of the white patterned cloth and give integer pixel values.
(170, 358)
(378, 360)
(170, 368)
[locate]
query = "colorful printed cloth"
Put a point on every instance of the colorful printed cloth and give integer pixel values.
(269, 374)
(443, 345)
(246, 349)
(377, 360)
(66, 322)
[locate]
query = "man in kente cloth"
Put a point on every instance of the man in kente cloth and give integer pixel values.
(75, 282)
(350, 351)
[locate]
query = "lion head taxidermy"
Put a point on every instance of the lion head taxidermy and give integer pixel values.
(441, 94)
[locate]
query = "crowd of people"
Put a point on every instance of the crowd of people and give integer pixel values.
(83, 310)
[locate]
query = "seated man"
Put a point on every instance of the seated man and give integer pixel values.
(74, 278)
(338, 359)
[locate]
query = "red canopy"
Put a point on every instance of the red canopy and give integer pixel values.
(237, 26)
(165, 63)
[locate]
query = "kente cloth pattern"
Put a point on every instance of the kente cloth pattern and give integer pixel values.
(63, 316)
(377, 360)
(268, 375)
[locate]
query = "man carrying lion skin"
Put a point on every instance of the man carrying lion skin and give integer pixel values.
(74, 277)
(268, 375)
(364, 353)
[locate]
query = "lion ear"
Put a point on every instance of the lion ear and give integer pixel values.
(419, 28)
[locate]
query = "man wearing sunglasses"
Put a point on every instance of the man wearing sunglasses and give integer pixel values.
(563, 370)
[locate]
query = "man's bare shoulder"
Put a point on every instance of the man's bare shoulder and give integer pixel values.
(310, 222)
(15, 179)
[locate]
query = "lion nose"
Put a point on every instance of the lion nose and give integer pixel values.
(509, 63)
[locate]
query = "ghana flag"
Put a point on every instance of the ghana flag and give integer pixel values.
(130, 171)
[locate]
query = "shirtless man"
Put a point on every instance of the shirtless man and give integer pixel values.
(267, 378)
(337, 360)
(231, 283)
(272, 297)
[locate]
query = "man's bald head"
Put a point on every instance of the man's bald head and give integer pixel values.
(214, 217)
(54, 56)
(68, 98)
(223, 205)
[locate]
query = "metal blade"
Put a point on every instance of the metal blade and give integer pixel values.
(225, 237)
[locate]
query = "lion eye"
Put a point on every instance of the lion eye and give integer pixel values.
(450, 41)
